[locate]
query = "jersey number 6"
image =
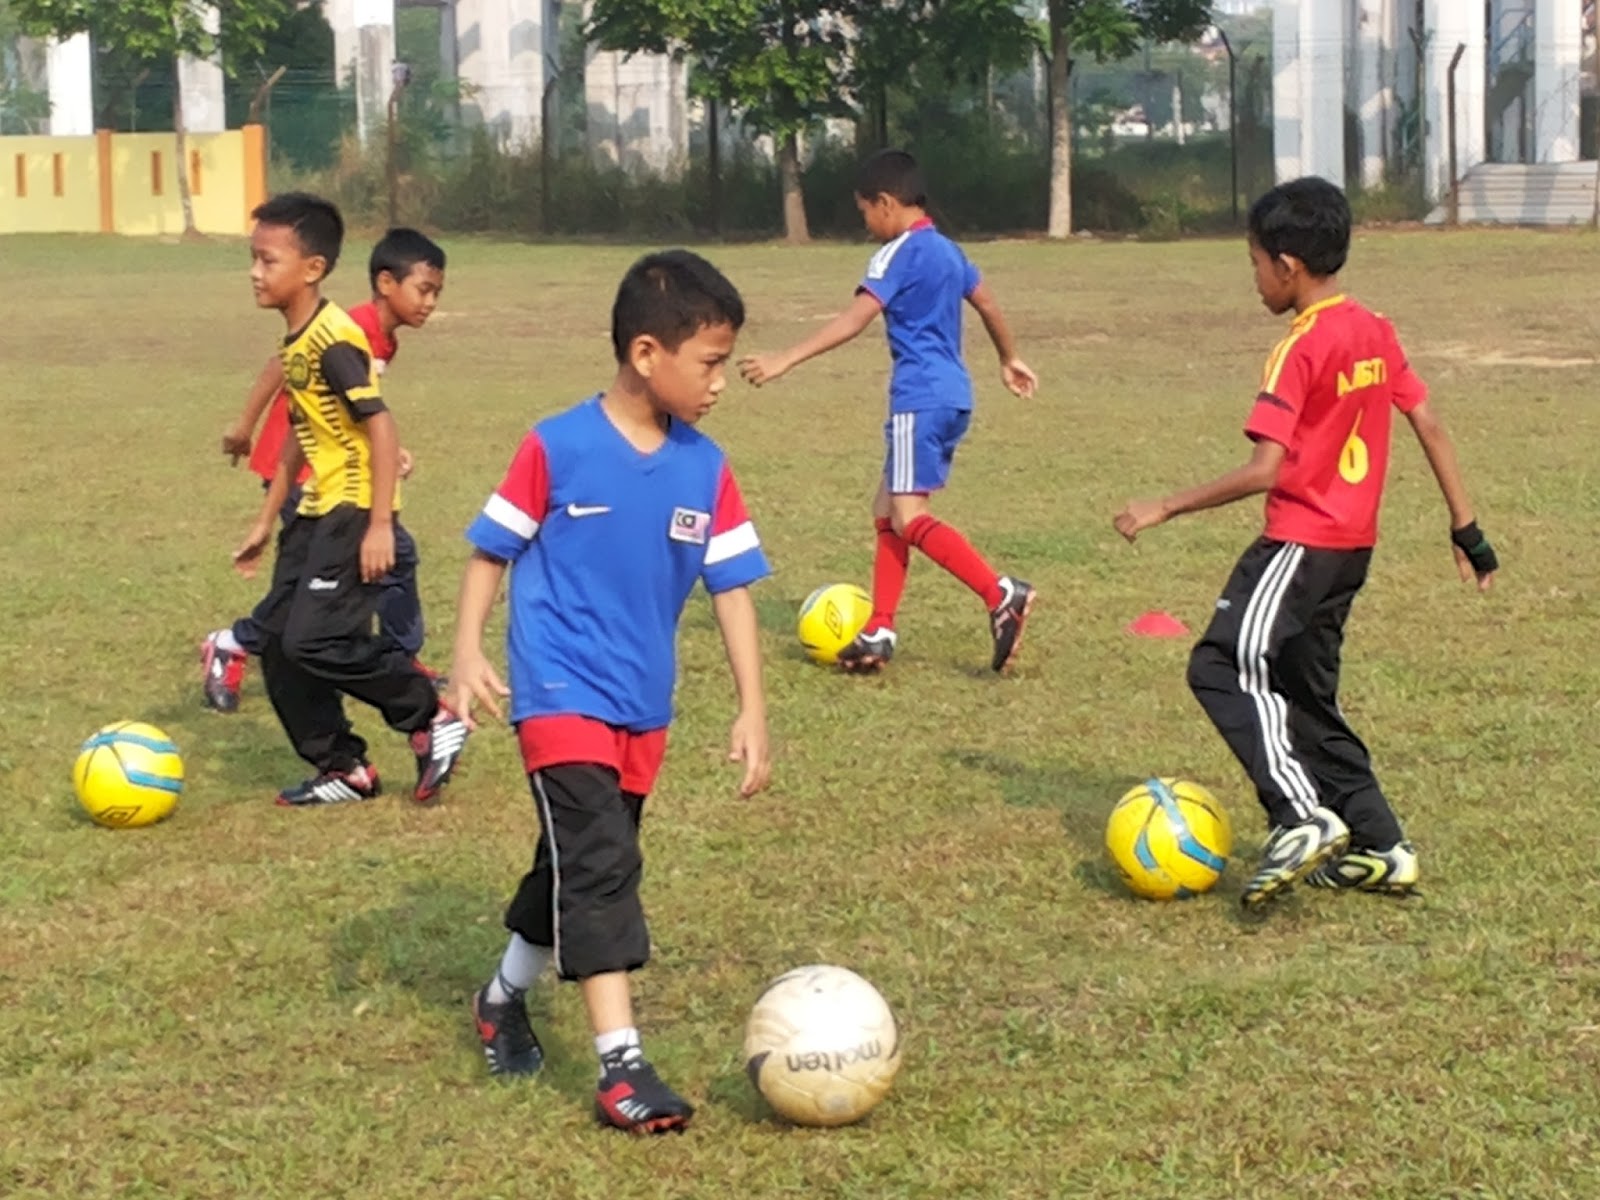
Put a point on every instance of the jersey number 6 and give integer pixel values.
(1353, 459)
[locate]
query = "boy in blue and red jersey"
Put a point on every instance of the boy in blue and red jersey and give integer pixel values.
(1267, 669)
(918, 281)
(609, 515)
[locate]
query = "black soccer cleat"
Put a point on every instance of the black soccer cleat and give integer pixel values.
(438, 748)
(509, 1043)
(632, 1098)
(1294, 851)
(867, 652)
(333, 787)
(1007, 618)
(1392, 872)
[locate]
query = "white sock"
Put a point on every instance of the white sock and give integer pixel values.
(520, 969)
(623, 1041)
(224, 640)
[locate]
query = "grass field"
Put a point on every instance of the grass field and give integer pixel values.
(249, 1001)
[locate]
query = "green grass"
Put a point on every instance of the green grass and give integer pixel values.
(246, 1001)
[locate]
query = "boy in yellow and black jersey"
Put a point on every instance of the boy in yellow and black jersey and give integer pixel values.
(318, 617)
(333, 396)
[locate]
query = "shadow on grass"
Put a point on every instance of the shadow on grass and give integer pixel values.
(441, 942)
(732, 1091)
(1084, 796)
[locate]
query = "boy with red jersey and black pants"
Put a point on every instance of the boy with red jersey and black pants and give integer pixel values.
(406, 271)
(1267, 669)
(610, 514)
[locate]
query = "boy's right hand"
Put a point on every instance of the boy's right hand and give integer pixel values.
(248, 556)
(1019, 378)
(758, 369)
(236, 443)
(473, 678)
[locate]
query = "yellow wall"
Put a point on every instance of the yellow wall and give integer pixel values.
(218, 185)
(128, 183)
(40, 210)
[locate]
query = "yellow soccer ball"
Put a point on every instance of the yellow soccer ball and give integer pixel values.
(128, 774)
(1170, 839)
(821, 1046)
(830, 619)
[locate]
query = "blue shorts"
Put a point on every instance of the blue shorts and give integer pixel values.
(921, 447)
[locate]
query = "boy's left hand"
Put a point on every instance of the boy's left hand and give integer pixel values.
(1019, 378)
(407, 463)
(761, 368)
(1139, 515)
(377, 552)
(248, 556)
(747, 743)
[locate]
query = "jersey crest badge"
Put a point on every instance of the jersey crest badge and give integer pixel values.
(690, 525)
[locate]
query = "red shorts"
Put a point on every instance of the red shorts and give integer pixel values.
(553, 741)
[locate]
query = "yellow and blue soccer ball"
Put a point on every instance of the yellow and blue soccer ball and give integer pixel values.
(830, 619)
(128, 774)
(1170, 839)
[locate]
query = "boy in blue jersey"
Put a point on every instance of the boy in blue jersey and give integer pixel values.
(917, 280)
(609, 515)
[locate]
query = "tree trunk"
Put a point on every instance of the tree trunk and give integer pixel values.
(795, 229)
(1060, 224)
(181, 137)
(714, 165)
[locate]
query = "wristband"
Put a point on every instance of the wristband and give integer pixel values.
(1470, 541)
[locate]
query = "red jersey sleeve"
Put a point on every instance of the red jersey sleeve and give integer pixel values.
(1285, 382)
(733, 554)
(1406, 387)
(513, 513)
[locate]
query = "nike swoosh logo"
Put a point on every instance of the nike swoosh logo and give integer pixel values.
(587, 510)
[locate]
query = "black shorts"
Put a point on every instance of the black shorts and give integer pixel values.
(582, 897)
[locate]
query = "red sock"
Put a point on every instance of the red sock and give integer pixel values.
(955, 554)
(889, 566)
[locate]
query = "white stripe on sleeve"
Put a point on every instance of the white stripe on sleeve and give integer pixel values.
(736, 541)
(509, 517)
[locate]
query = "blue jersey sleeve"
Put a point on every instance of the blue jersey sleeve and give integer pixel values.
(512, 515)
(970, 279)
(890, 270)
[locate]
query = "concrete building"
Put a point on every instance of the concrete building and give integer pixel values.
(1369, 68)
(638, 111)
(69, 74)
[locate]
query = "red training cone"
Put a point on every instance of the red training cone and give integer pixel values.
(1158, 624)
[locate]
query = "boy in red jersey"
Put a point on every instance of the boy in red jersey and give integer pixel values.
(1267, 669)
(407, 274)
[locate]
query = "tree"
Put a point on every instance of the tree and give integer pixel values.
(933, 44)
(779, 62)
(784, 65)
(1107, 30)
(159, 33)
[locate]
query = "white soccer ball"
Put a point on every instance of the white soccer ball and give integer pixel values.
(821, 1046)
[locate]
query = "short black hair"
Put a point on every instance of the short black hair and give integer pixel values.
(316, 223)
(672, 295)
(401, 250)
(892, 173)
(1308, 219)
